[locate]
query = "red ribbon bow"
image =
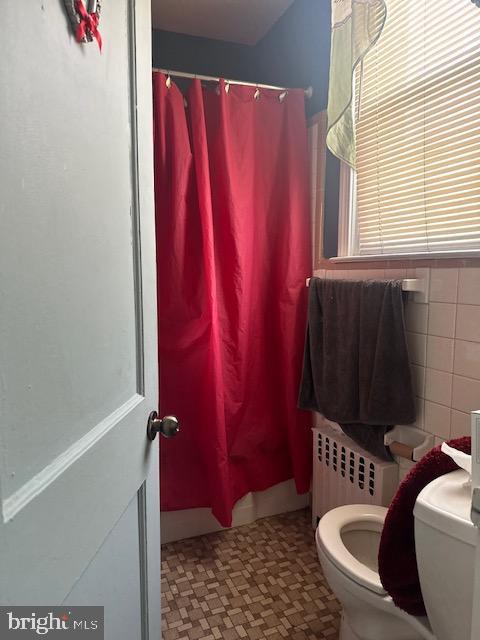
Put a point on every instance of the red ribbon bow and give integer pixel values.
(88, 24)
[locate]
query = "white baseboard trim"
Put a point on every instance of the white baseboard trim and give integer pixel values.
(188, 523)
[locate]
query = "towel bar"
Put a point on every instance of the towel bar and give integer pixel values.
(419, 286)
(408, 284)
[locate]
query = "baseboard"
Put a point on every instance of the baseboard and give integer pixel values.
(188, 523)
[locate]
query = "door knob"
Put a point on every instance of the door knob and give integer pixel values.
(167, 426)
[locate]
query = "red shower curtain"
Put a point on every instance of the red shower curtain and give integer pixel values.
(233, 252)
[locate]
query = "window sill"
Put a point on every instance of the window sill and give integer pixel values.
(437, 255)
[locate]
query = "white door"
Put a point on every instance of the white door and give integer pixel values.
(79, 521)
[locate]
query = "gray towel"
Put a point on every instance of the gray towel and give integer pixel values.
(356, 369)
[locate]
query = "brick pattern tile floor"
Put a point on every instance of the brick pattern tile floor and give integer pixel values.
(262, 580)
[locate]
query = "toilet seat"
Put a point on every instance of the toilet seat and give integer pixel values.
(328, 535)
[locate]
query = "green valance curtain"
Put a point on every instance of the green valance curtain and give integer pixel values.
(356, 26)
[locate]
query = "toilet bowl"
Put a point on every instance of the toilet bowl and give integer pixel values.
(347, 541)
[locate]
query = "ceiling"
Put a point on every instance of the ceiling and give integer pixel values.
(242, 21)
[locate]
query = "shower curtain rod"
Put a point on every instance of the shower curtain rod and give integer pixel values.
(181, 74)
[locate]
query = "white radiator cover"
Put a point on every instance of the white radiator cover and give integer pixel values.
(344, 473)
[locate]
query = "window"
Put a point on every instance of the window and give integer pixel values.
(416, 188)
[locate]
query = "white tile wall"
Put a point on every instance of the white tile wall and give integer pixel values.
(443, 285)
(441, 319)
(460, 424)
(467, 359)
(451, 322)
(466, 394)
(437, 419)
(469, 286)
(444, 344)
(438, 386)
(439, 353)
(468, 322)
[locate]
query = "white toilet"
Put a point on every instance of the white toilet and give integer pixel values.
(347, 542)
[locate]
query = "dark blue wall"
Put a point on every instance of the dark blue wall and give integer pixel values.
(179, 52)
(296, 50)
(294, 53)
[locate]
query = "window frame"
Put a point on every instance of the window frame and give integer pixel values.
(348, 239)
(348, 231)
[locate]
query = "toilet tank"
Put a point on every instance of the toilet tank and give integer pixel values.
(445, 540)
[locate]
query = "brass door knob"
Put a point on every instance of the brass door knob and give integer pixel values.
(167, 426)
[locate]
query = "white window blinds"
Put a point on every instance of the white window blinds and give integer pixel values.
(418, 131)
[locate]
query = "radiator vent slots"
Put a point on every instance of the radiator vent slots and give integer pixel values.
(343, 473)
